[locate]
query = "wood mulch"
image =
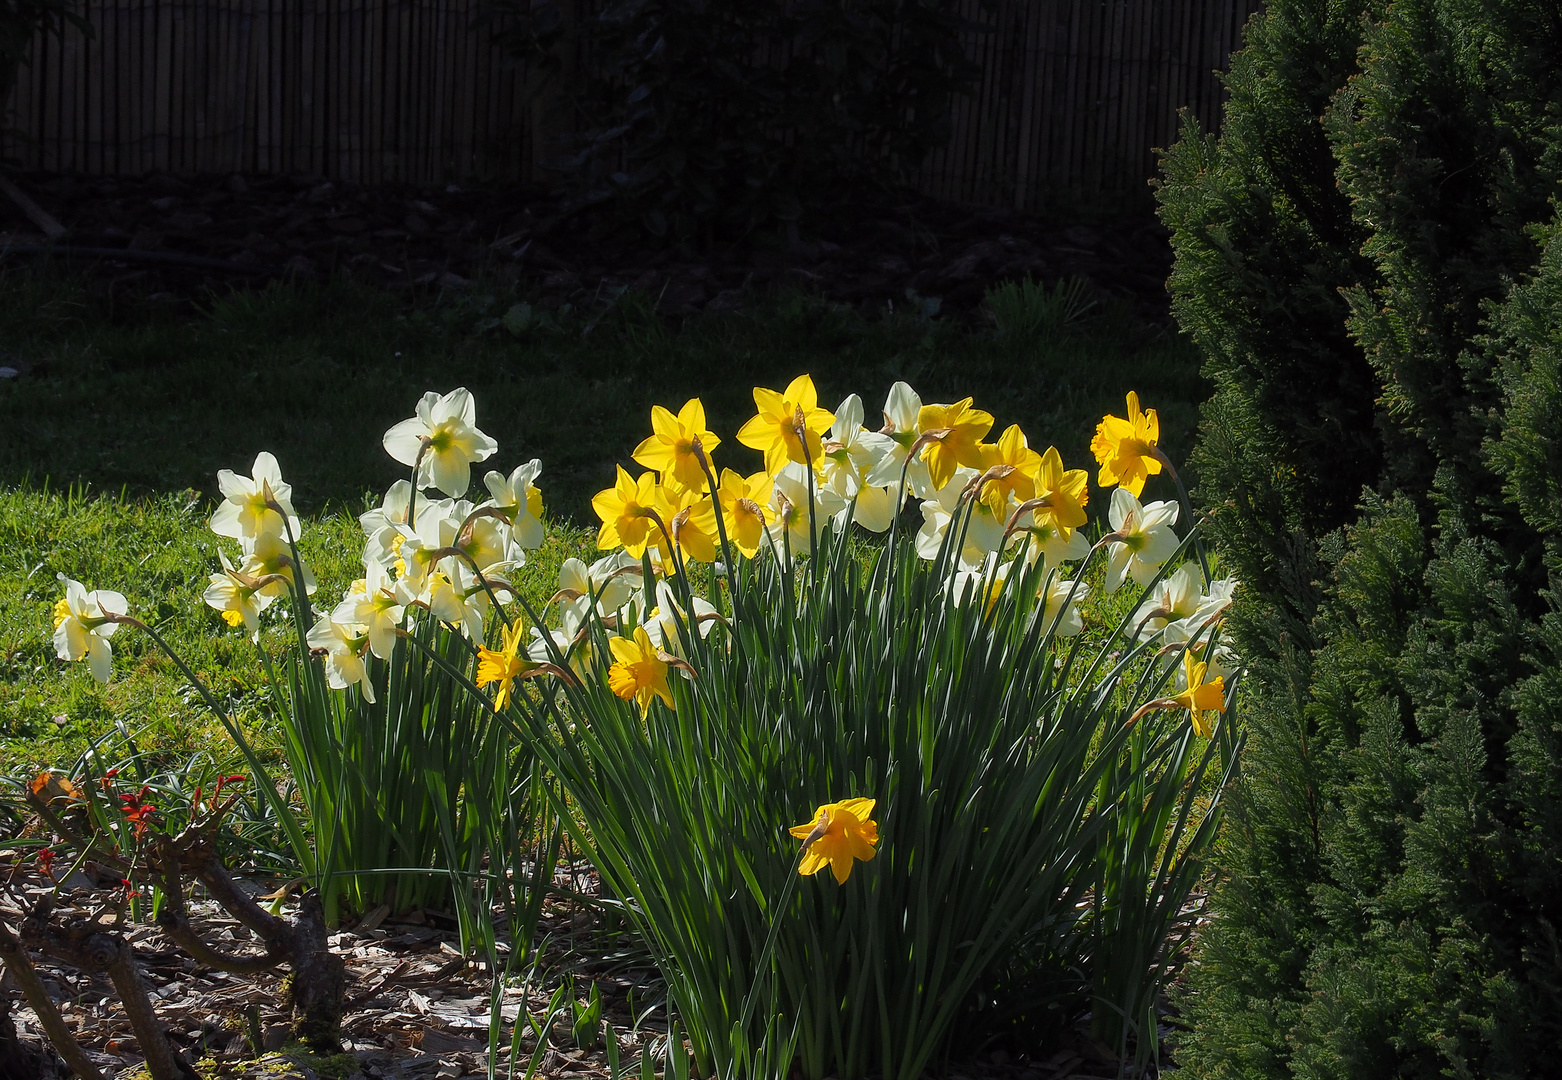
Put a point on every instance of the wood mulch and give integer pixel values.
(415, 1010)
(173, 237)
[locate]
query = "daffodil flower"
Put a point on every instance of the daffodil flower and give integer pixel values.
(953, 435)
(1219, 660)
(789, 426)
(629, 513)
(83, 623)
(1060, 608)
(376, 604)
(1146, 538)
(1010, 468)
(639, 671)
(269, 560)
(671, 449)
(984, 533)
(1061, 495)
(457, 598)
(665, 618)
(1175, 597)
(1201, 697)
(851, 452)
(503, 665)
(986, 583)
(746, 513)
(690, 520)
(1125, 449)
(789, 500)
(237, 597)
(382, 526)
(343, 648)
(614, 579)
(901, 409)
(840, 834)
(447, 426)
(246, 509)
(520, 500)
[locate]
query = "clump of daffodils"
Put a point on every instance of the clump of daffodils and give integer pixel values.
(990, 505)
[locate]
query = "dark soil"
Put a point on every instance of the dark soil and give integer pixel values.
(936, 257)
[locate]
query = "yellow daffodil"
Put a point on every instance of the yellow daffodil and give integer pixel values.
(628, 510)
(504, 665)
(1062, 494)
(639, 671)
(1201, 698)
(1010, 467)
(1125, 449)
(954, 433)
(83, 623)
(745, 510)
(790, 425)
(839, 834)
(447, 425)
(670, 451)
(690, 518)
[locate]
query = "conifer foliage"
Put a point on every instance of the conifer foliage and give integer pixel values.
(1369, 257)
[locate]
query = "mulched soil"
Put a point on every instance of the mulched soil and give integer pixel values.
(919, 252)
(416, 1010)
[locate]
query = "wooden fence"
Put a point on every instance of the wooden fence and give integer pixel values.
(1074, 93)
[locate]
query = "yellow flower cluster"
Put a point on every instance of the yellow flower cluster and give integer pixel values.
(827, 470)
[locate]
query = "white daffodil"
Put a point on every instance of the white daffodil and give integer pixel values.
(246, 512)
(447, 424)
(789, 499)
(901, 410)
(1174, 598)
(269, 559)
(983, 535)
(487, 541)
(1060, 612)
(1216, 599)
(374, 605)
(82, 626)
(455, 597)
(614, 579)
(1047, 542)
(851, 453)
(663, 621)
(1147, 538)
(986, 582)
(344, 646)
(383, 525)
(518, 497)
(237, 598)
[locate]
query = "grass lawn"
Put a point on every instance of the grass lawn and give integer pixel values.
(111, 440)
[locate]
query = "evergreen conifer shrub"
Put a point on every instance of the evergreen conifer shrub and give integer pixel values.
(1369, 244)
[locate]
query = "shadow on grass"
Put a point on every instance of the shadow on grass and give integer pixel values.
(125, 396)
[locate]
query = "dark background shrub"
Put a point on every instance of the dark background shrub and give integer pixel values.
(1366, 258)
